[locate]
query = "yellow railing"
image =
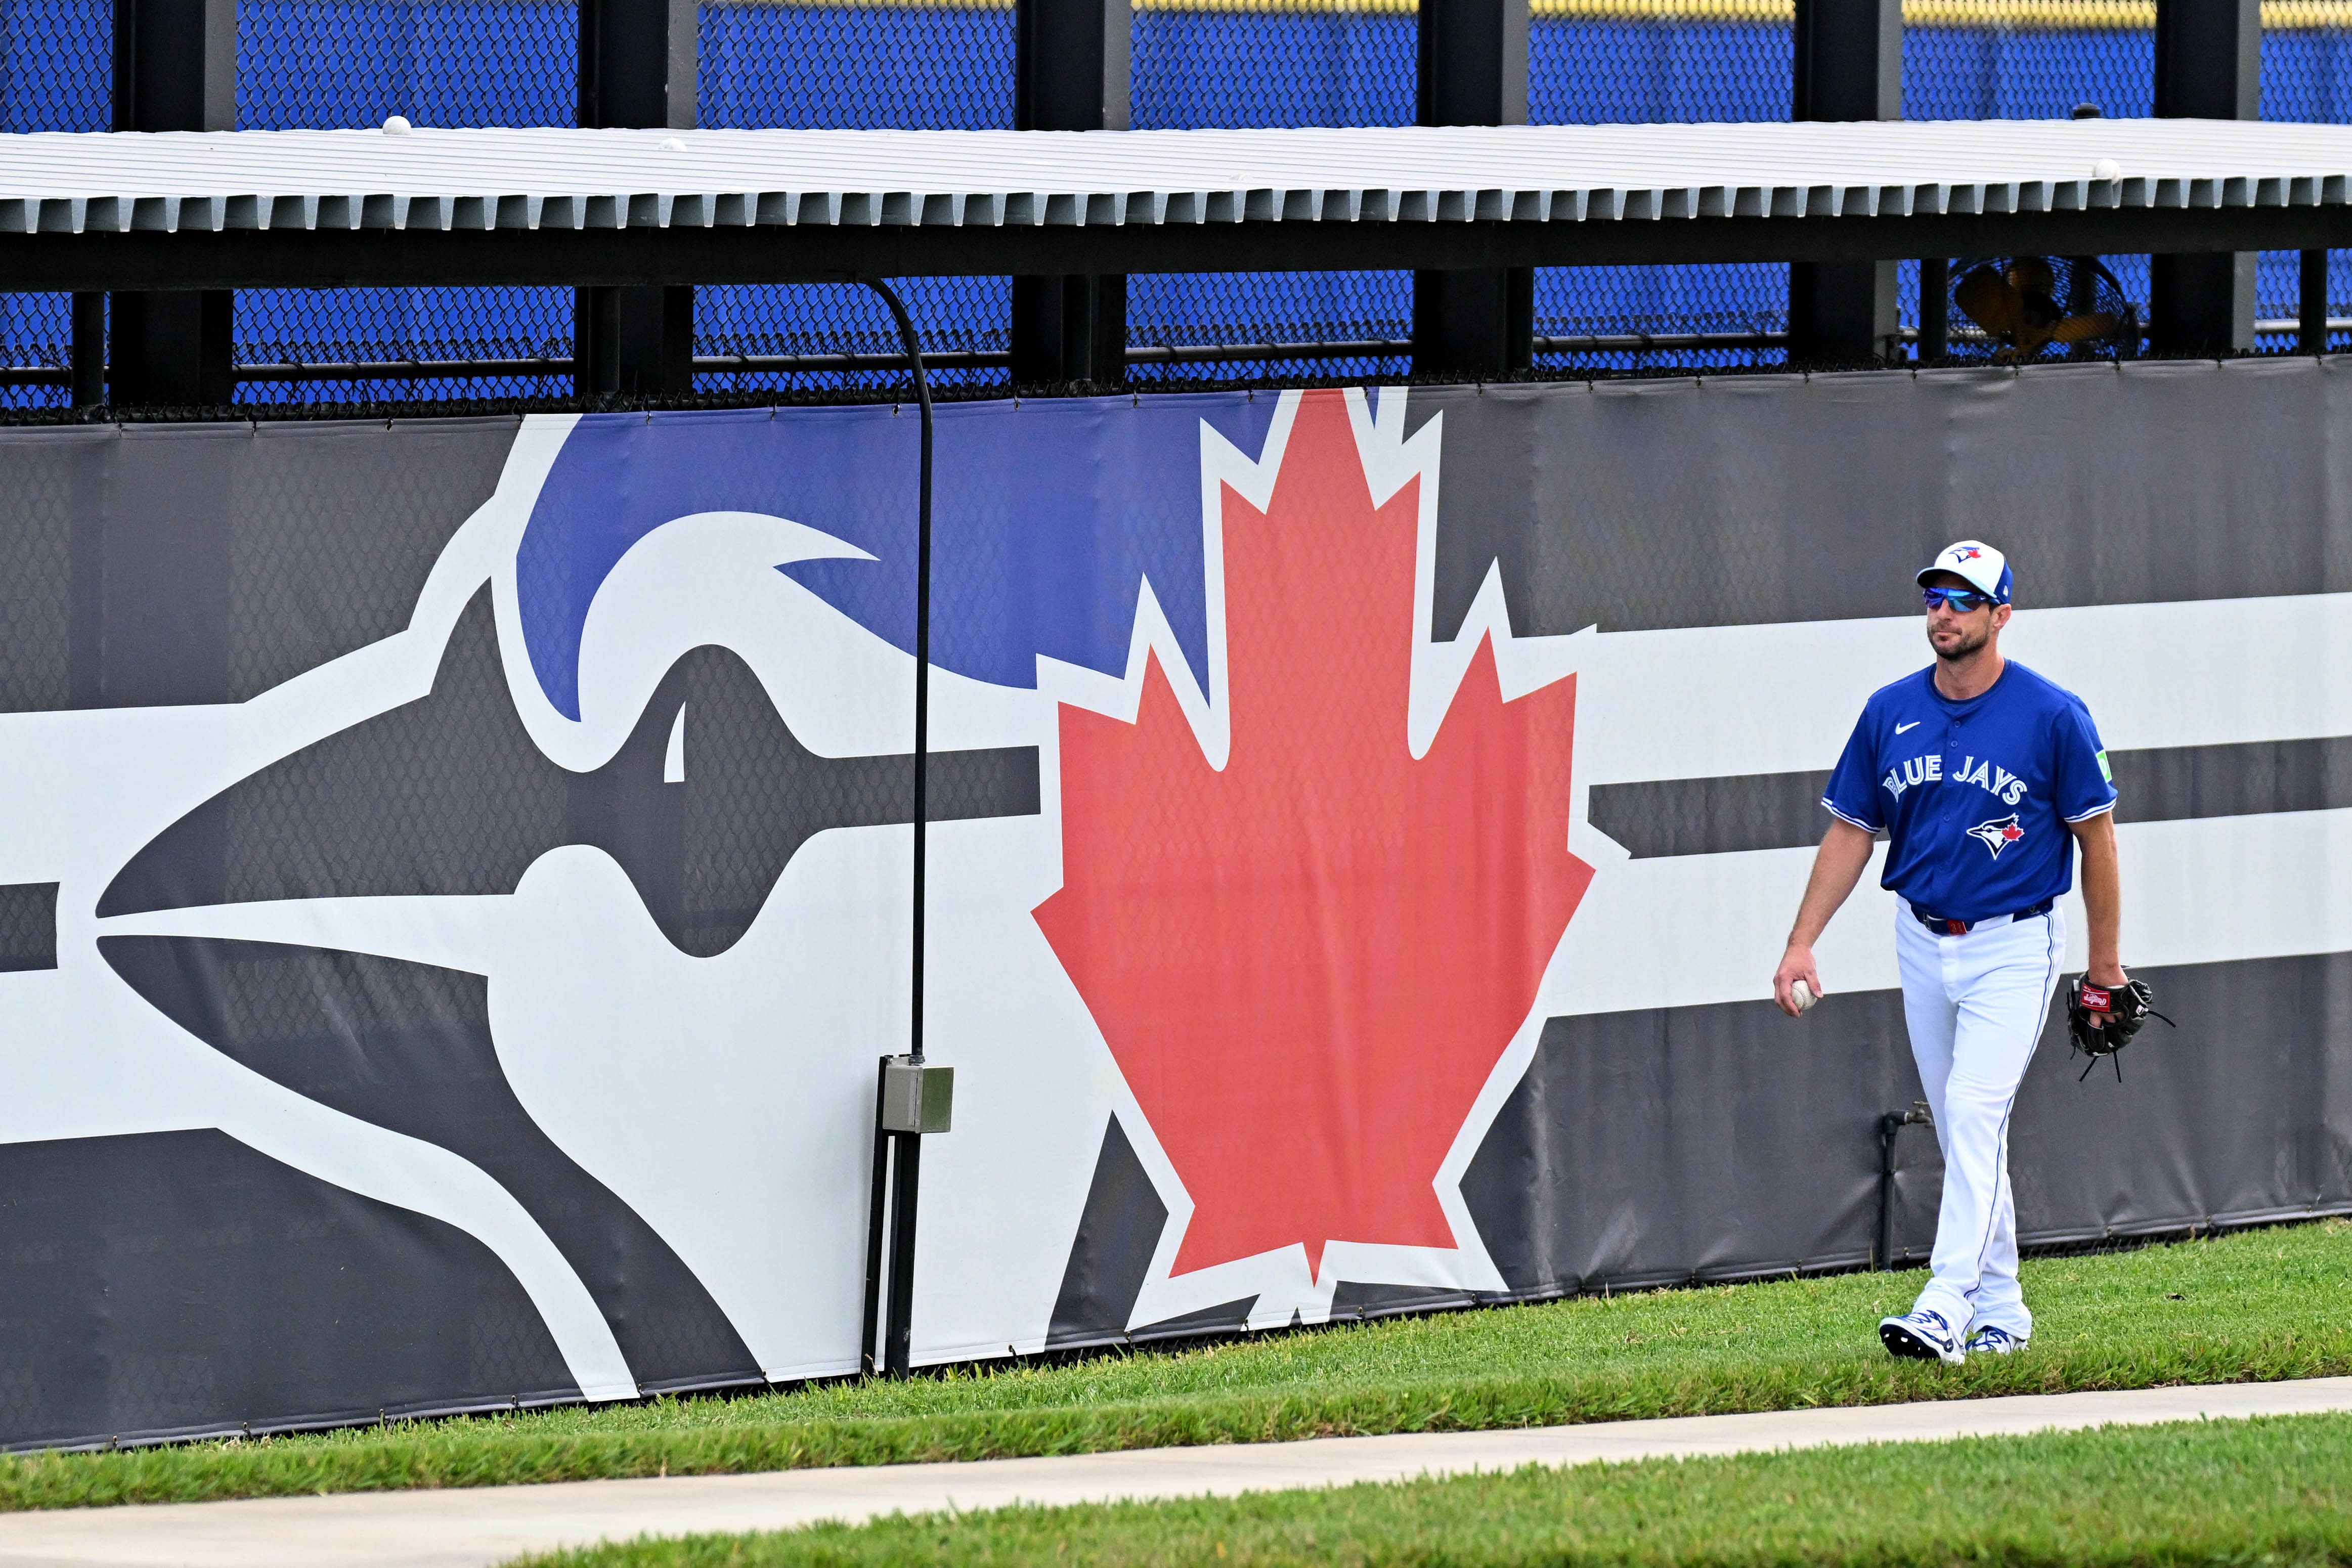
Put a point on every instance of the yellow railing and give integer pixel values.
(2041, 15)
(2106, 16)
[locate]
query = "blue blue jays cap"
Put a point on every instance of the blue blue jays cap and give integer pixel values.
(1985, 569)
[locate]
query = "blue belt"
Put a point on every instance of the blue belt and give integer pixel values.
(1943, 927)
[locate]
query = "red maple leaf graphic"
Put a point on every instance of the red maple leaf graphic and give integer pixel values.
(1307, 965)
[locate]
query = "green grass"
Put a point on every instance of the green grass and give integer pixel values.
(2268, 1491)
(2256, 1305)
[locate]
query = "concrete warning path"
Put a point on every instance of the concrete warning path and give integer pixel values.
(474, 1529)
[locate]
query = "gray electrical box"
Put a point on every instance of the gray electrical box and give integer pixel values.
(916, 1098)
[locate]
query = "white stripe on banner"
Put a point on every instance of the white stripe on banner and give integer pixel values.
(1711, 701)
(1701, 929)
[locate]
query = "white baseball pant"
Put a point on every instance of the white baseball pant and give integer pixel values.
(1976, 1004)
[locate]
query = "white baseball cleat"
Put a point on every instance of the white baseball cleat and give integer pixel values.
(1921, 1336)
(1993, 1340)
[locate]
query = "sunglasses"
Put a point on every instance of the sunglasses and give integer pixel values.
(1963, 601)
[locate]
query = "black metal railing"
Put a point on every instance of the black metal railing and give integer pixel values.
(543, 367)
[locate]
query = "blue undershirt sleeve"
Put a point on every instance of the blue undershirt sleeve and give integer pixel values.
(1853, 794)
(2085, 784)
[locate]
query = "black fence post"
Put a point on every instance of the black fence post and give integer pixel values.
(1070, 64)
(637, 71)
(1472, 69)
(175, 69)
(898, 1329)
(1849, 66)
(2208, 62)
(89, 386)
(1935, 308)
(878, 1226)
(2311, 312)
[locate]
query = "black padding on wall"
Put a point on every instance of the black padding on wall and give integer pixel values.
(147, 565)
(190, 1282)
(180, 1282)
(1110, 1257)
(1712, 815)
(407, 1047)
(28, 926)
(1692, 1142)
(450, 795)
(1720, 1141)
(1738, 501)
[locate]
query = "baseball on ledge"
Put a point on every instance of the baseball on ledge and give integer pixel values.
(1802, 995)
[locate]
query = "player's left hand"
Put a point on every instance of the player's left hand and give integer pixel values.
(2120, 1011)
(2113, 979)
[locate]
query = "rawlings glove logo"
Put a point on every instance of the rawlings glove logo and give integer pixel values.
(2101, 1020)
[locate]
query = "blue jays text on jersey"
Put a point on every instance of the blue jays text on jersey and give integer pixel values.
(1974, 796)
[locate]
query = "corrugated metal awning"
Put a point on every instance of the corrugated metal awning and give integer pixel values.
(566, 179)
(1183, 199)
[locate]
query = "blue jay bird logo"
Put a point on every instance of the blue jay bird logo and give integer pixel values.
(1998, 834)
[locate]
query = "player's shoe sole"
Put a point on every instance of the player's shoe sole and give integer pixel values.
(1921, 1336)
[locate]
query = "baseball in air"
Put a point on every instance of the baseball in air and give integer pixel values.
(2106, 169)
(1802, 995)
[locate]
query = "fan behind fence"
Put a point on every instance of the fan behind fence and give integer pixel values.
(2034, 307)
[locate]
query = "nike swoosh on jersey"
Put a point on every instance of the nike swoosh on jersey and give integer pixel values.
(1912, 725)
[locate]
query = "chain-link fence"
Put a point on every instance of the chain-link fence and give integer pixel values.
(1248, 63)
(332, 64)
(1614, 61)
(57, 62)
(57, 65)
(853, 66)
(329, 64)
(2306, 76)
(1229, 63)
(2027, 59)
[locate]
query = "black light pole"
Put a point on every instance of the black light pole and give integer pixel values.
(910, 1099)
(922, 636)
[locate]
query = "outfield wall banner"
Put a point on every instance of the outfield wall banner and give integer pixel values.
(454, 875)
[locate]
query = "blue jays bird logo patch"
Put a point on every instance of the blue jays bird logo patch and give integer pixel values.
(1998, 834)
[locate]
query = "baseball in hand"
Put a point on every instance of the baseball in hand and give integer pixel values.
(1802, 995)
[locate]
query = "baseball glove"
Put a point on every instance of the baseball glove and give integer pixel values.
(2128, 1009)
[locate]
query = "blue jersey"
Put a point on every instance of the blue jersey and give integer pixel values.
(1974, 796)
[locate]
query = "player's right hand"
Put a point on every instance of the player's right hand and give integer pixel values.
(1796, 963)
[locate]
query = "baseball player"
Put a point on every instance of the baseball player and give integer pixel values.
(1984, 776)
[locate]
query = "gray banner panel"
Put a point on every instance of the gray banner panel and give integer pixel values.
(153, 564)
(1784, 811)
(175, 566)
(1716, 1143)
(28, 925)
(1633, 505)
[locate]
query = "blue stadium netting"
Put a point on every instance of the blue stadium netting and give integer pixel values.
(1265, 62)
(1285, 64)
(326, 64)
(853, 66)
(57, 62)
(1708, 63)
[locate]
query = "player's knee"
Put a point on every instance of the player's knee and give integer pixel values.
(1973, 1102)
